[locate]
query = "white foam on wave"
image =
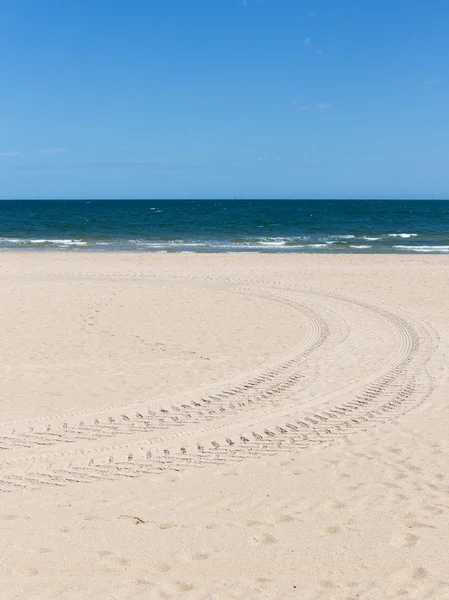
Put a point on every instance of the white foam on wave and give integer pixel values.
(273, 242)
(251, 246)
(261, 247)
(403, 235)
(370, 239)
(149, 245)
(359, 246)
(70, 243)
(424, 248)
(31, 241)
(168, 244)
(189, 244)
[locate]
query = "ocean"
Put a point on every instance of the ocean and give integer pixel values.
(322, 226)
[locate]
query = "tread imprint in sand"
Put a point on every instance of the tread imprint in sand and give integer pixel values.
(244, 419)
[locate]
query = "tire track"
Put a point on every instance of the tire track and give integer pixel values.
(398, 386)
(261, 386)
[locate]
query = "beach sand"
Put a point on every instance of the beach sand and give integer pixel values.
(224, 426)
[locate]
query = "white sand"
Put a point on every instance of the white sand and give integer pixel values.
(224, 426)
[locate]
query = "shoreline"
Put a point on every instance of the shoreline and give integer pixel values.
(67, 252)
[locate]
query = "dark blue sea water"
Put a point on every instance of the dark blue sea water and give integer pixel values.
(226, 226)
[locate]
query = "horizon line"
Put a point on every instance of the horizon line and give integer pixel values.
(227, 199)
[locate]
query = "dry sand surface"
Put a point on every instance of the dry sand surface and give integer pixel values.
(224, 426)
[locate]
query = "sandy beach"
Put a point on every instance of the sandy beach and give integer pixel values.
(229, 426)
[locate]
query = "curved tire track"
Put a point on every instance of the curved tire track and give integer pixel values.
(263, 384)
(380, 396)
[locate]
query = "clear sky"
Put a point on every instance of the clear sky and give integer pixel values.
(224, 98)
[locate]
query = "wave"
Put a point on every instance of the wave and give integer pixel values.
(436, 249)
(317, 243)
(277, 241)
(33, 242)
(403, 235)
(348, 236)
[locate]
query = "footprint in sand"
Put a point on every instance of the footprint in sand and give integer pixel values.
(200, 556)
(167, 525)
(401, 540)
(409, 575)
(333, 529)
(286, 518)
(265, 538)
(418, 525)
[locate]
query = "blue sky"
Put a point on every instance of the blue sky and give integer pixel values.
(224, 98)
